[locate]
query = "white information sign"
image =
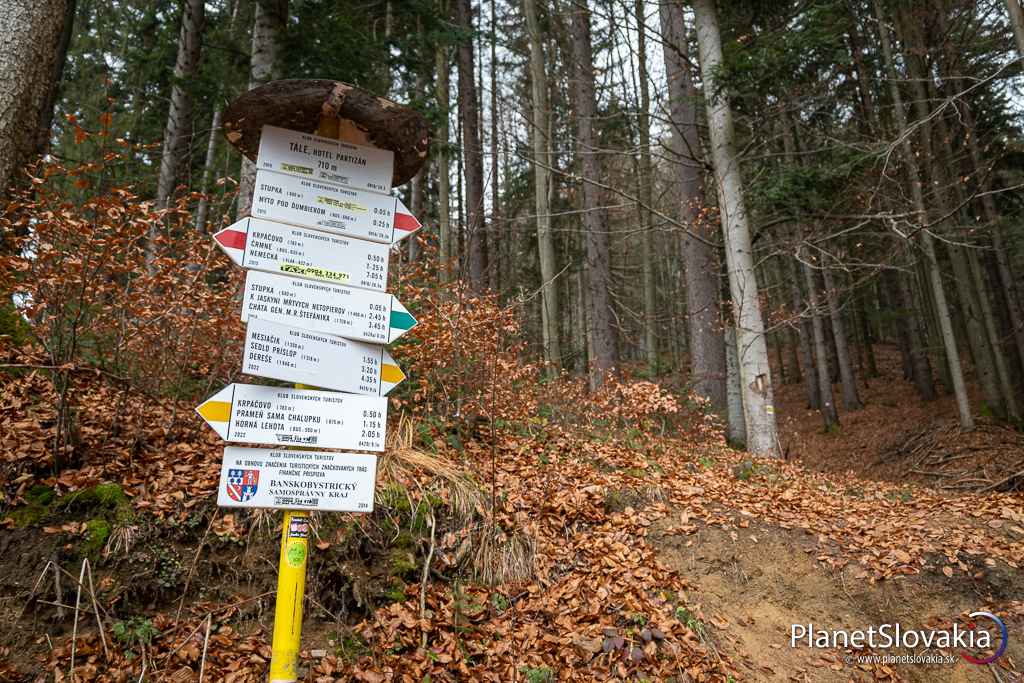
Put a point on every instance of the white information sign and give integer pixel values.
(297, 480)
(348, 312)
(278, 248)
(320, 360)
(300, 417)
(320, 205)
(311, 156)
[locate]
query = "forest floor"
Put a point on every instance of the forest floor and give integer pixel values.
(571, 554)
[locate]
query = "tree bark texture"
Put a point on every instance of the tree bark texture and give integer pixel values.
(601, 333)
(29, 57)
(541, 189)
(447, 247)
(650, 300)
(752, 349)
(269, 22)
(472, 152)
(700, 259)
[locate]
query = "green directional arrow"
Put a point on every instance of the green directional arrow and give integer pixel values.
(402, 320)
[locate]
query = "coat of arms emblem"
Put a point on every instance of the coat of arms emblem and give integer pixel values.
(242, 484)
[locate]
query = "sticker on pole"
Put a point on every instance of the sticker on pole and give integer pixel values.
(297, 480)
(249, 413)
(310, 156)
(316, 204)
(348, 312)
(272, 247)
(321, 360)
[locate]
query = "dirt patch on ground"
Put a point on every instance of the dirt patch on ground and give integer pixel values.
(761, 580)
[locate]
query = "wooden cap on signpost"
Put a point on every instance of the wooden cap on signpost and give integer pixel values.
(308, 104)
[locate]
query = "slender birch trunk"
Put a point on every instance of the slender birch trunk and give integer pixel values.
(203, 209)
(755, 374)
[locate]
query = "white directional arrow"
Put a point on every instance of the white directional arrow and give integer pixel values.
(298, 417)
(320, 205)
(278, 248)
(310, 156)
(348, 312)
(297, 480)
(320, 360)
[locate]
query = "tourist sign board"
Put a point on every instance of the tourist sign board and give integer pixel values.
(321, 205)
(299, 417)
(297, 480)
(348, 312)
(320, 360)
(278, 248)
(310, 156)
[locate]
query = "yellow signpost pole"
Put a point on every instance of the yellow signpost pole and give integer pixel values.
(291, 589)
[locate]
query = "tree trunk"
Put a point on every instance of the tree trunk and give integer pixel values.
(445, 238)
(178, 130)
(30, 60)
(927, 243)
(494, 240)
(700, 259)
(541, 190)
(851, 399)
(805, 330)
(736, 423)
(268, 26)
(644, 196)
(1017, 23)
(755, 375)
(1009, 395)
(597, 262)
(472, 152)
(203, 209)
(416, 206)
(829, 415)
(867, 334)
(1007, 282)
(935, 147)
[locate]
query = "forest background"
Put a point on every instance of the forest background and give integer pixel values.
(772, 225)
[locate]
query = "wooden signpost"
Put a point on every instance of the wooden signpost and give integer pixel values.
(316, 251)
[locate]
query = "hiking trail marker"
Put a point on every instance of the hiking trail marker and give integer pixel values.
(316, 248)
(322, 360)
(359, 314)
(311, 156)
(251, 413)
(321, 205)
(300, 480)
(271, 247)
